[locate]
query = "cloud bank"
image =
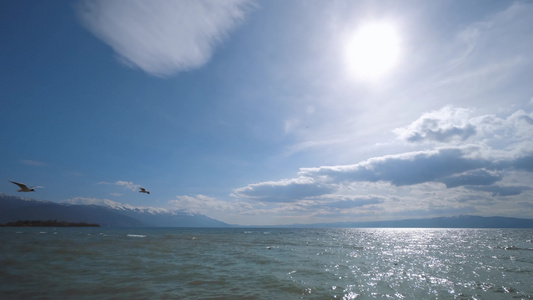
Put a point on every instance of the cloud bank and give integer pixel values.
(472, 164)
(162, 37)
(284, 190)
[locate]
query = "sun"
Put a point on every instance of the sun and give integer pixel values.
(372, 51)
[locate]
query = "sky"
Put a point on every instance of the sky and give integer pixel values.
(271, 112)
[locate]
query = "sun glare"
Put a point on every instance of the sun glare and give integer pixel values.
(372, 51)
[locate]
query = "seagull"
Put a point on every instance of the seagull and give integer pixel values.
(25, 188)
(143, 190)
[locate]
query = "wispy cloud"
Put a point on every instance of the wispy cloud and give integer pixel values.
(162, 37)
(485, 44)
(33, 163)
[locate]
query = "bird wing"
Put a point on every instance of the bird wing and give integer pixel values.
(143, 190)
(21, 185)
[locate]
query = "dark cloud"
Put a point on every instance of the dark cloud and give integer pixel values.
(403, 170)
(524, 163)
(352, 203)
(451, 166)
(476, 177)
(441, 134)
(527, 119)
(284, 191)
(501, 190)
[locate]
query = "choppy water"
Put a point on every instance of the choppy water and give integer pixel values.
(97, 263)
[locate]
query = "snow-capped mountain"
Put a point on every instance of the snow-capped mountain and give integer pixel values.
(103, 212)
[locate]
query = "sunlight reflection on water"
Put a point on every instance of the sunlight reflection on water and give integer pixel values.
(283, 264)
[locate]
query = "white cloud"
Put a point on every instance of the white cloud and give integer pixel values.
(444, 125)
(162, 37)
(127, 184)
(286, 190)
(207, 205)
(451, 177)
(510, 136)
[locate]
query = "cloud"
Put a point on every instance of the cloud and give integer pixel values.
(404, 169)
(451, 166)
(485, 43)
(497, 190)
(287, 190)
(162, 37)
(33, 163)
(524, 163)
(476, 177)
(127, 184)
(206, 205)
(498, 137)
(343, 202)
(442, 125)
(497, 161)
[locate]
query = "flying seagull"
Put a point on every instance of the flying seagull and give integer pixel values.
(143, 190)
(25, 188)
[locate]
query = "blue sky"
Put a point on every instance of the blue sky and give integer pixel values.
(271, 112)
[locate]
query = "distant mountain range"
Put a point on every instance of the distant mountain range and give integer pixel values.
(441, 222)
(13, 209)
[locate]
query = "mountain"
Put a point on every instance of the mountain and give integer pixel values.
(14, 208)
(170, 218)
(440, 222)
(114, 214)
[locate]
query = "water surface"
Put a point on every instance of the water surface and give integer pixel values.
(170, 263)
